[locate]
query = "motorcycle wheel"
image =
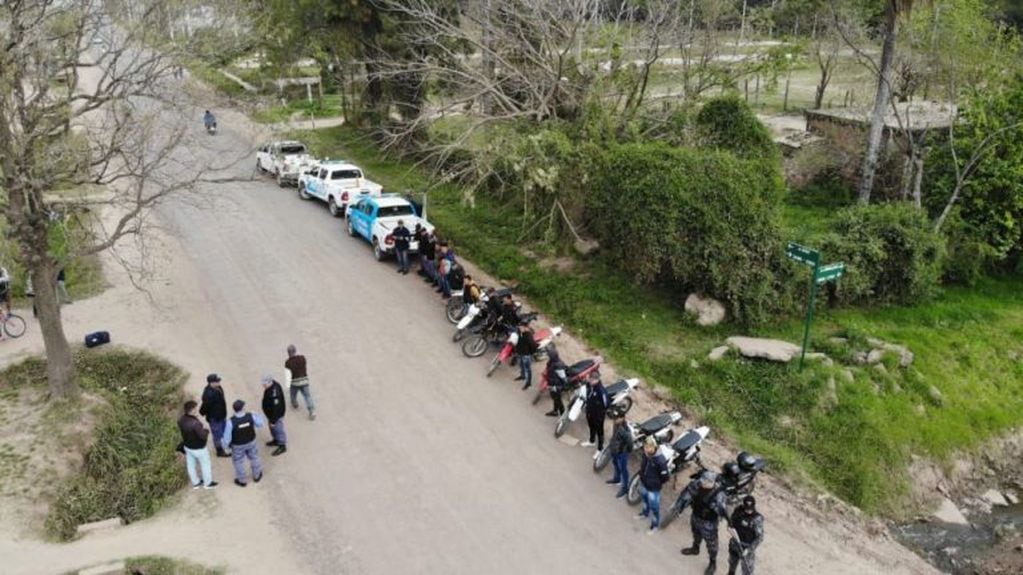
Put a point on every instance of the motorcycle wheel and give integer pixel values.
(474, 346)
(494, 363)
(561, 425)
(459, 334)
(634, 495)
(670, 515)
(623, 407)
(455, 309)
(603, 458)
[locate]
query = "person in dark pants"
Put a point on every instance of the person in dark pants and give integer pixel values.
(62, 295)
(524, 350)
(748, 525)
(653, 474)
(296, 364)
(402, 237)
(708, 501)
(620, 445)
(557, 380)
(444, 266)
(597, 402)
(193, 442)
(214, 409)
(427, 253)
(240, 435)
(274, 407)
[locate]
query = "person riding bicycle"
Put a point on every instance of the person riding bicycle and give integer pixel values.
(208, 120)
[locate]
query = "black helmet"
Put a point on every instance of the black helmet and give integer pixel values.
(749, 503)
(731, 469)
(747, 461)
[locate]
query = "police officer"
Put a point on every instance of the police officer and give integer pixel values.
(707, 499)
(240, 435)
(747, 527)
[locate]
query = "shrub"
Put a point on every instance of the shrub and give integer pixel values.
(890, 252)
(696, 219)
(728, 123)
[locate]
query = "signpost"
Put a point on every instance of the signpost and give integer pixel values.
(821, 274)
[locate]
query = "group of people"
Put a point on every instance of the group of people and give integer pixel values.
(5, 290)
(437, 263)
(235, 436)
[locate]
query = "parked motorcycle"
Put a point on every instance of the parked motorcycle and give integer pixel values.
(658, 427)
(737, 479)
(679, 455)
(574, 374)
(480, 314)
(492, 332)
(618, 392)
(543, 338)
(456, 307)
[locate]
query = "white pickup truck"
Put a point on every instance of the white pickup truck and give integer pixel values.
(284, 160)
(374, 218)
(338, 183)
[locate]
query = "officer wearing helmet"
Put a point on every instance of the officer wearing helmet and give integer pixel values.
(707, 498)
(747, 528)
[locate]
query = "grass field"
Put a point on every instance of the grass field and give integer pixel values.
(856, 438)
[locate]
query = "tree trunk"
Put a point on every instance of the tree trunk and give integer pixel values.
(60, 369)
(918, 177)
(884, 89)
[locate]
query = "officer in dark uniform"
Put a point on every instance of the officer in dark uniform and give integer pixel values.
(748, 526)
(707, 499)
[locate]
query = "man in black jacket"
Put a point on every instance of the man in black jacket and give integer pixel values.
(597, 402)
(193, 442)
(274, 407)
(653, 474)
(524, 349)
(401, 237)
(708, 501)
(620, 445)
(214, 409)
(747, 524)
(557, 380)
(427, 253)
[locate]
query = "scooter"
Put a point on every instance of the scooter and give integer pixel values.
(618, 392)
(574, 374)
(544, 337)
(658, 427)
(684, 451)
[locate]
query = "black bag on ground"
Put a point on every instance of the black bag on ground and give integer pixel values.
(97, 338)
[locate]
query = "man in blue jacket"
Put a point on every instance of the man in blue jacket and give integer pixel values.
(653, 474)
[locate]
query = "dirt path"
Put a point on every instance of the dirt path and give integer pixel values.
(417, 463)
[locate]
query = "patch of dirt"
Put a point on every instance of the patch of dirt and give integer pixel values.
(1005, 559)
(42, 443)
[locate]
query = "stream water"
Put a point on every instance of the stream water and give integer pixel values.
(957, 549)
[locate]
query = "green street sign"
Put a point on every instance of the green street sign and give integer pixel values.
(803, 254)
(827, 273)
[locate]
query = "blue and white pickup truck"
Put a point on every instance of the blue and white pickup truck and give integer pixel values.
(336, 182)
(374, 218)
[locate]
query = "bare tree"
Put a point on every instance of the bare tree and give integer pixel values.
(84, 103)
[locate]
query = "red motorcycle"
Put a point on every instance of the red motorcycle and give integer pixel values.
(575, 374)
(544, 337)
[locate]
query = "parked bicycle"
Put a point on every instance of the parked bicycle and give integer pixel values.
(12, 324)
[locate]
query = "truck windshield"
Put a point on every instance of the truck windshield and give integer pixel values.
(345, 174)
(391, 211)
(292, 149)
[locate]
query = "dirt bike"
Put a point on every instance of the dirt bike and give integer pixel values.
(620, 403)
(573, 376)
(658, 427)
(544, 337)
(679, 455)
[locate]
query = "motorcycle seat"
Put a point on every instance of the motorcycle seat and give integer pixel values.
(656, 423)
(684, 443)
(617, 387)
(579, 367)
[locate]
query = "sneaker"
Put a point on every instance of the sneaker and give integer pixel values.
(527, 386)
(552, 414)
(596, 454)
(272, 443)
(691, 550)
(280, 449)
(240, 483)
(621, 494)
(257, 478)
(210, 485)
(222, 453)
(294, 405)
(652, 530)
(312, 416)
(197, 485)
(519, 378)
(611, 481)
(401, 271)
(640, 515)
(587, 444)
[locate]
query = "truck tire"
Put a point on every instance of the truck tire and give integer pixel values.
(280, 180)
(301, 191)
(378, 253)
(332, 206)
(351, 229)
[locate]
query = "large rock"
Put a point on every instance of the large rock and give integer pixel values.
(708, 311)
(718, 352)
(995, 498)
(949, 513)
(770, 349)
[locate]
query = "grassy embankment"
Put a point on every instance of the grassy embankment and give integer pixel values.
(130, 467)
(156, 565)
(855, 440)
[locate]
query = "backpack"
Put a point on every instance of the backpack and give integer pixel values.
(97, 338)
(456, 278)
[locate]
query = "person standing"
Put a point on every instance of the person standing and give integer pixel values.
(557, 380)
(597, 402)
(427, 253)
(274, 407)
(708, 501)
(447, 262)
(620, 445)
(525, 347)
(62, 295)
(296, 364)
(193, 440)
(653, 474)
(401, 237)
(214, 409)
(240, 435)
(747, 528)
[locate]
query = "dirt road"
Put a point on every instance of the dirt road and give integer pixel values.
(416, 464)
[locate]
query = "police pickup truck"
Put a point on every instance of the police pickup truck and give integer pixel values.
(337, 183)
(374, 218)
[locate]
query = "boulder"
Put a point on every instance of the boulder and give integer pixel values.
(708, 311)
(995, 498)
(829, 397)
(949, 513)
(848, 376)
(718, 352)
(821, 357)
(875, 355)
(769, 349)
(838, 340)
(880, 368)
(1011, 497)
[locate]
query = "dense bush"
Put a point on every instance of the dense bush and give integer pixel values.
(728, 123)
(890, 251)
(698, 220)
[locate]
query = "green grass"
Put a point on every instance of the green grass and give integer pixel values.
(860, 447)
(211, 77)
(157, 565)
(330, 106)
(131, 467)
